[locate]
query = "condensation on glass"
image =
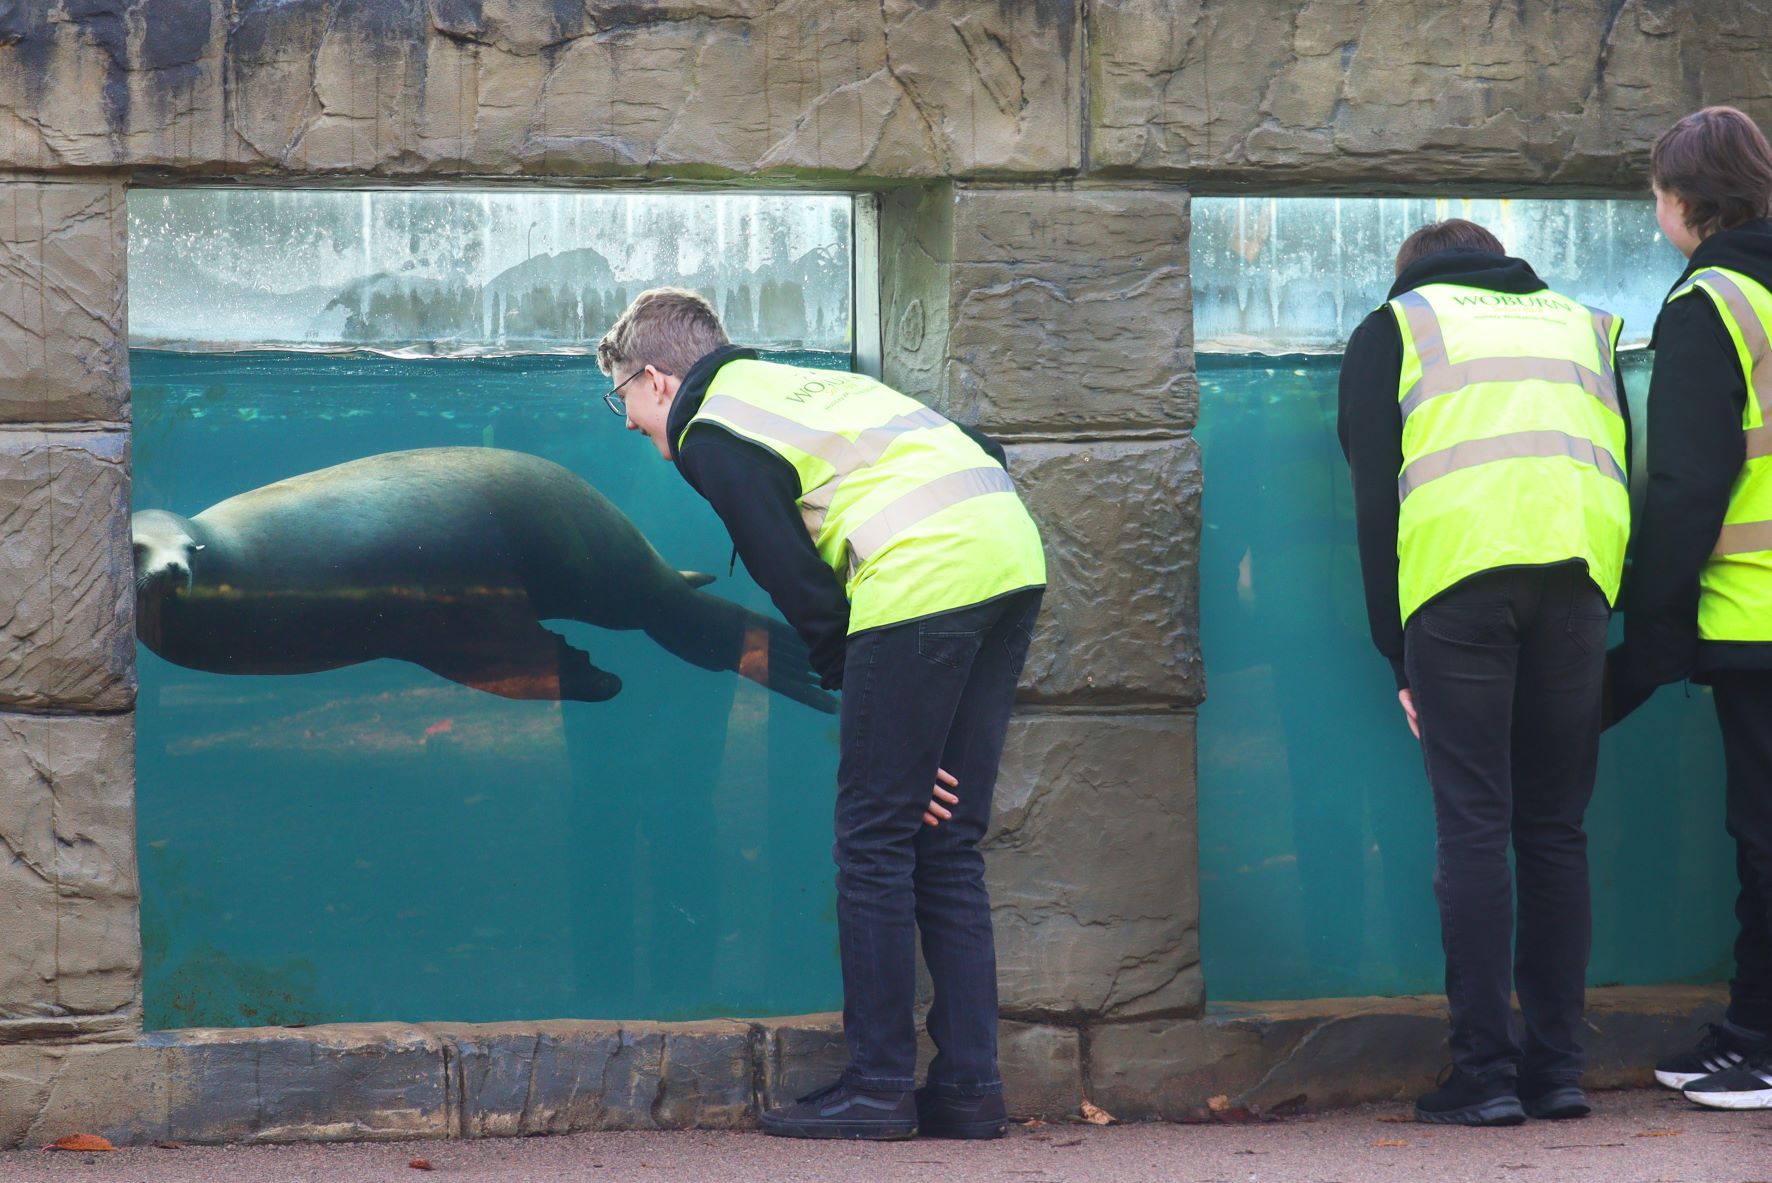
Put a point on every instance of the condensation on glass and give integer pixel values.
(384, 841)
(1316, 826)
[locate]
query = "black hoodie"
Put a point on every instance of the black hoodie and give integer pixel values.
(1695, 451)
(756, 493)
(1371, 428)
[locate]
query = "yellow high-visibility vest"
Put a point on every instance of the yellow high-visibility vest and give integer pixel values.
(1513, 438)
(910, 513)
(1735, 585)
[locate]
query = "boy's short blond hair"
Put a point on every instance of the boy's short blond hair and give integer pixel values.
(668, 328)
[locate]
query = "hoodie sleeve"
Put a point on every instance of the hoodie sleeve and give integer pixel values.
(756, 494)
(1371, 434)
(1695, 450)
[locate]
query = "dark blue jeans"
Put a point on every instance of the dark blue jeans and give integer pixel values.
(933, 693)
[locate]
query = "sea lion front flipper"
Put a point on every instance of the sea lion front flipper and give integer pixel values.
(697, 578)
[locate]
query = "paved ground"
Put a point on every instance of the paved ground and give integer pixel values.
(1646, 1137)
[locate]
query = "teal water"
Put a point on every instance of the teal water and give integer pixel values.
(377, 843)
(1316, 828)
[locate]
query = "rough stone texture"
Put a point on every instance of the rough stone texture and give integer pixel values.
(1121, 523)
(1325, 1053)
(66, 632)
(124, 1092)
(1091, 865)
(360, 1081)
(1041, 310)
(548, 1078)
(1412, 94)
(70, 957)
(696, 87)
(62, 351)
(1042, 1069)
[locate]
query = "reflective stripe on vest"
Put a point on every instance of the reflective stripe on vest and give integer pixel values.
(843, 455)
(914, 516)
(1513, 439)
(1735, 585)
(1470, 453)
(1438, 376)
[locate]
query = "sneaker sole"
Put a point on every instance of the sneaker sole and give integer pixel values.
(1678, 1080)
(1502, 1111)
(1758, 1099)
(966, 1130)
(1559, 1112)
(862, 1131)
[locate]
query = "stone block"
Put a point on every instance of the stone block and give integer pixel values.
(70, 963)
(800, 1054)
(67, 641)
(1091, 863)
(124, 1092)
(1042, 1069)
(63, 355)
(1121, 524)
(560, 1076)
(1147, 1070)
(1041, 310)
(1414, 95)
(358, 1082)
(719, 87)
(1071, 310)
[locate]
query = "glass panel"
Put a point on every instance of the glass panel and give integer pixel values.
(1316, 828)
(1296, 274)
(379, 841)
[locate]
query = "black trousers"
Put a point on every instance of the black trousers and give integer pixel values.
(1744, 713)
(1506, 670)
(933, 693)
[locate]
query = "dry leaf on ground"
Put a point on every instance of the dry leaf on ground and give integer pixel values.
(1660, 1133)
(1390, 1142)
(421, 1164)
(1095, 1115)
(86, 1142)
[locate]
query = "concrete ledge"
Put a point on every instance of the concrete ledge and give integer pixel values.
(374, 1081)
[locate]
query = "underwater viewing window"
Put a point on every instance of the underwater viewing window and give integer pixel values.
(441, 711)
(1316, 823)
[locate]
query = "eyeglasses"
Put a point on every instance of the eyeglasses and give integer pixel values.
(614, 401)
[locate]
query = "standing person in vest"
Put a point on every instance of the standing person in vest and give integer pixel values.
(1699, 598)
(1487, 434)
(894, 543)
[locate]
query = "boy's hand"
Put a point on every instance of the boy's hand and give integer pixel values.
(935, 814)
(1407, 698)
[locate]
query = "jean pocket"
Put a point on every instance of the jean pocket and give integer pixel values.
(1588, 630)
(1466, 624)
(955, 650)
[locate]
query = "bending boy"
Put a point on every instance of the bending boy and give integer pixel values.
(892, 540)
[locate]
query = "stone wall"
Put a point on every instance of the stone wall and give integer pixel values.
(1035, 160)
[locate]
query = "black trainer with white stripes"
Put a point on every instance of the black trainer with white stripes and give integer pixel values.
(1748, 1085)
(1720, 1048)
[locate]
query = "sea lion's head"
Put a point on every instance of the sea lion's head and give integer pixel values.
(166, 552)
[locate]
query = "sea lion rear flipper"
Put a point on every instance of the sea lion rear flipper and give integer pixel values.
(537, 665)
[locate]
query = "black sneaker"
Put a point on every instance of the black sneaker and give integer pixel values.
(1463, 1100)
(841, 1111)
(1748, 1085)
(961, 1117)
(1554, 1102)
(1717, 1050)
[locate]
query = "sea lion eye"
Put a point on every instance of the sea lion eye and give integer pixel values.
(198, 545)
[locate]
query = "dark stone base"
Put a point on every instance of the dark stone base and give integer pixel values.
(390, 1080)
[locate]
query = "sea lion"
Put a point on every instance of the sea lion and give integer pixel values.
(449, 558)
